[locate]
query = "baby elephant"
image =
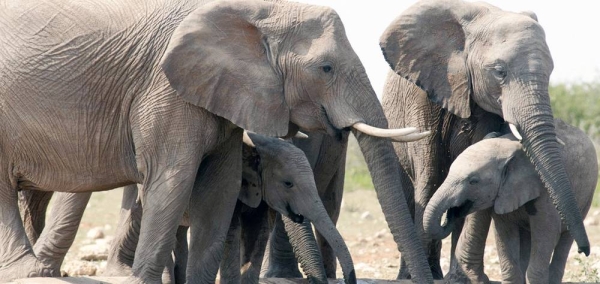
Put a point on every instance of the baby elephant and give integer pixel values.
(529, 233)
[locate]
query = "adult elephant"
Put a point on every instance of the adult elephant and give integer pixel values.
(108, 94)
(477, 67)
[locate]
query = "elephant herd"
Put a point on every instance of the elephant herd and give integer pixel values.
(188, 105)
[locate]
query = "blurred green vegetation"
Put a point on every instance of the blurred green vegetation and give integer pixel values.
(357, 173)
(576, 103)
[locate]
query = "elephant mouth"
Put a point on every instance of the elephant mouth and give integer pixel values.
(331, 129)
(296, 218)
(457, 212)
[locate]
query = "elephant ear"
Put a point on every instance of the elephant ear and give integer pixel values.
(219, 58)
(519, 184)
(251, 190)
(426, 45)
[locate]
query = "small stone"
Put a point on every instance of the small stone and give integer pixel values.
(95, 233)
(366, 215)
(94, 252)
(381, 234)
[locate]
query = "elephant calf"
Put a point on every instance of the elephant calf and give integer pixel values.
(496, 173)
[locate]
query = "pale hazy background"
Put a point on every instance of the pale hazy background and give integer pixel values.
(572, 32)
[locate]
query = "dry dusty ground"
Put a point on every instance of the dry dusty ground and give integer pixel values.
(364, 229)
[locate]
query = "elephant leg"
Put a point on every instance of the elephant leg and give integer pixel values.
(230, 264)
(409, 194)
(165, 197)
(59, 234)
(181, 255)
(122, 250)
(255, 234)
(559, 258)
(282, 262)
(507, 244)
(470, 249)
(211, 208)
(16, 255)
(545, 234)
(525, 246)
(33, 205)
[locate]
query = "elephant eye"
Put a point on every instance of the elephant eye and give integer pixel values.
(288, 184)
(499, 72)
(473, 180)
(327, 68)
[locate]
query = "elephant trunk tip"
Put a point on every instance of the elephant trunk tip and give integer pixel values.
(584, 249)
(351, 277)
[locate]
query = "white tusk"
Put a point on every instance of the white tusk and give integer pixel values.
(515, 132)
(247, 140)
(560, 141)
(411, 137)
(380, 132)
(300, 134)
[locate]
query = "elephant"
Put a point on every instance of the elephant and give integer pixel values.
(496, 174)
(102, 95)
(462, 70)
(266, 163)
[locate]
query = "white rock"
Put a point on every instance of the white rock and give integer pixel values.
(94, 252)
(95, 233)
(366, 215)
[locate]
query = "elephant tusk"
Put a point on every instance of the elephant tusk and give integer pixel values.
(300, 134)
(515, 131)
(560, 141)
(247, 139)
(411, 137)
(380, 132)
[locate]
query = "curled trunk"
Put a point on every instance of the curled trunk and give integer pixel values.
(432, 219)
(306, 250)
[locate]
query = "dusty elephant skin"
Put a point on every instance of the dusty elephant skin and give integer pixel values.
(157, 93)
(496, 174)
(477, 67)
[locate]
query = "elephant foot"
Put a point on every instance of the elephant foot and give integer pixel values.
(281, 270)
(460, 277)
(115, 269)
(27, 267)
(403, 273)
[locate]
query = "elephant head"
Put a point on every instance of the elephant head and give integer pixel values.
(283, 176)
(463, 53)
(490, 173)
(275, 67)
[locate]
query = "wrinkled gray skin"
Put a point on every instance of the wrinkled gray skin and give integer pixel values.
(476, 67)
(275, 171)
(150, 92)
(496, 173)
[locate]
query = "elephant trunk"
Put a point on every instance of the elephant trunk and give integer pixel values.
(320, 219)
(541, 146)
(432, 218)
(306, 249)
(385, 169)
